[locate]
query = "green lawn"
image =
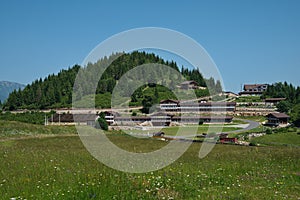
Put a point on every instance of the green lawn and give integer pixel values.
(288, 139)
(19, 129)
(188, 130)
(61, 168)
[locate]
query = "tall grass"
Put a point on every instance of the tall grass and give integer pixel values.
(19, 129)
(61, 168)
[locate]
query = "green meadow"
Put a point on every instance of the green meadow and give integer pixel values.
(188, 130)
(36, 166)
(279, 139)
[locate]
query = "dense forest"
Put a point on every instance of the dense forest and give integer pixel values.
(56, 91)
(291, 105)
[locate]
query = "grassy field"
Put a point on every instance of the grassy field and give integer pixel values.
(19, 129)
(187, 130)
(285, 139)
(59, 167)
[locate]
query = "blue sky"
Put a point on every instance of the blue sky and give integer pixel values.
(250, 41)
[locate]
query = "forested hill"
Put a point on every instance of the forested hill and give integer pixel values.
(55, 91)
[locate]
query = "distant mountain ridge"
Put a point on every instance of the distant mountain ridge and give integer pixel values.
(7, 87)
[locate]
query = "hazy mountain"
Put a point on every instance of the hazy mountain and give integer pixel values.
(7, 87)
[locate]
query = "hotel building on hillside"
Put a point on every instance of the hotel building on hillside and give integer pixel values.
(253, 89)
(174, 106)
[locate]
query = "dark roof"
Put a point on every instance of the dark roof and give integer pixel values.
(251, 86)
(274, 99)
(202, 117)
(169, 101)
(111, 113)
(210, 104)
(68, 118)
(189, 82)
(278, 115)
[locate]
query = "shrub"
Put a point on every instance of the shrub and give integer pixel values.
(102, 124)
(252, 144)
(269, 131)
(200, 122)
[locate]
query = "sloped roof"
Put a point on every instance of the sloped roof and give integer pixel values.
(279, 115)
(169, 101)
(202, 117)
(189, 82)
(274, 99)
(252, 86)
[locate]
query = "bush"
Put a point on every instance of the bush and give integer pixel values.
(102, 124)
(133, 114)
(269, 131)
(253, 144)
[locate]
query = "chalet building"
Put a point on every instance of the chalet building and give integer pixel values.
(72, 119)
(273, 101)
(277, 119)
(189, 85)
(253, 89)
(186, 107)
(161, 119)
(204, 119)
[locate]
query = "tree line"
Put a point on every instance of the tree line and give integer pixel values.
(56, 91)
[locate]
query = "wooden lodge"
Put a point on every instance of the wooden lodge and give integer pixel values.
(277, 119)
(253, 89)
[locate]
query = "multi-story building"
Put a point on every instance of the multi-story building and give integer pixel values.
(253, 89)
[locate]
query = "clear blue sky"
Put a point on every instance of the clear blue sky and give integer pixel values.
(250, 41)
